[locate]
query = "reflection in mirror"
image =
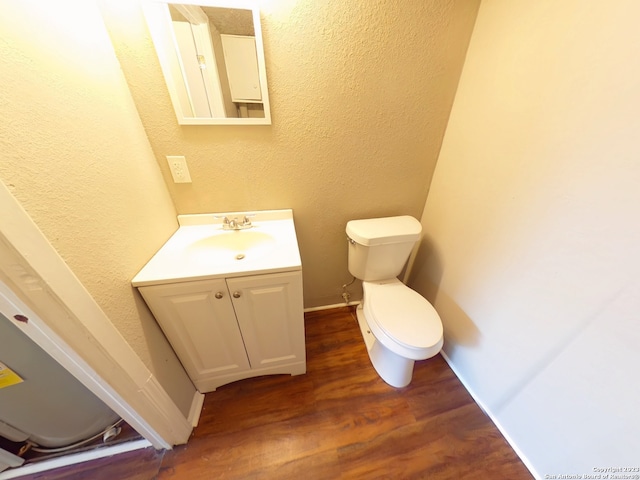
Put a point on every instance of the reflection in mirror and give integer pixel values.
(212, 59)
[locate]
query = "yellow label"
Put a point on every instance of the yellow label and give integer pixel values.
(8, 377)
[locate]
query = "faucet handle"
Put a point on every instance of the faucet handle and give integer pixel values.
(246, 220)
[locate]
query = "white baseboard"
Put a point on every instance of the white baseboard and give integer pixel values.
(73, 459)
(196, 409)
(329, 307)
(489, 414)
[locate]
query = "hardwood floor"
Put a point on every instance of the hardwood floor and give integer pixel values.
(339, 421)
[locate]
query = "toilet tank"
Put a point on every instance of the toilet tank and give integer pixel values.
(379, 247)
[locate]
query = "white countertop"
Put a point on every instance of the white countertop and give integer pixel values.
(193, 252)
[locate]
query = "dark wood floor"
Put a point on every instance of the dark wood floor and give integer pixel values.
(339, 421)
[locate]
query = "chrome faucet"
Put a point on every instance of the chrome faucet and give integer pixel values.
(235, 224)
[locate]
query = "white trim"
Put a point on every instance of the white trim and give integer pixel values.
(329, 307)
(489, 414)
(75, 458)
(196, 409)
(69, 325)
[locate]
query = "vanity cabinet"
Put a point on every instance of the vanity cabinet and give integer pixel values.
(227, 329)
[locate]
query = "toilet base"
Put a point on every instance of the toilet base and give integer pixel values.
(395, 370)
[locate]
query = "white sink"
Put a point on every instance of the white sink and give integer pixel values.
(235, 241)
(202, 248)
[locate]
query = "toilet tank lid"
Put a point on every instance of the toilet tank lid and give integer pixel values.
(380, 231)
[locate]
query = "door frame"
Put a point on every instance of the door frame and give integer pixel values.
(64, 319)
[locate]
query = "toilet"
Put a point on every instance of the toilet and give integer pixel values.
(399, 326)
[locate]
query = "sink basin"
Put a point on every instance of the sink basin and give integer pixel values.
(231, 246)
(202, 249)
(235, 240)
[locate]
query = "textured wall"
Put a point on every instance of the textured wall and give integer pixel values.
(75, 155)
(360, 96)
(533, 241)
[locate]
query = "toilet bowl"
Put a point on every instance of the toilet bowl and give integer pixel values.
(399, 326)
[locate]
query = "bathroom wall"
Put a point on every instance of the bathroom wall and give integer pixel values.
(360, 96)
(532, 244)
(76, 156)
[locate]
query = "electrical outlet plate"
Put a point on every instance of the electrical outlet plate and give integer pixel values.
(179, 169)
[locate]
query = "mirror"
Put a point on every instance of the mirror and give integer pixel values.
(212, 59)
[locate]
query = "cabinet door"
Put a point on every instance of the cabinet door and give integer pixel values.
(201, 328)
(270, 314)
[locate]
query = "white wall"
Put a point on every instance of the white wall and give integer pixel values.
(532, 246)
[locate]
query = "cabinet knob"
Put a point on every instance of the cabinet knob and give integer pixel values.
(219, 295)
(237, 294)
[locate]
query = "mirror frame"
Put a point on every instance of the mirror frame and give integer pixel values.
(155, 15)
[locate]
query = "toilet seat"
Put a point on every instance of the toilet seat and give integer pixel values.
(402, 319)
